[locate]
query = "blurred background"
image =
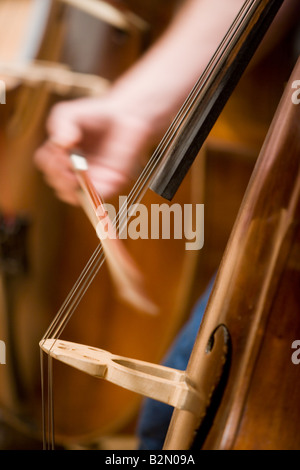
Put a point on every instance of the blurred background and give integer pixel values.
(53, 50)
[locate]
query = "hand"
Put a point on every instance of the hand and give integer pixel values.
(114, 141)
(115, 132)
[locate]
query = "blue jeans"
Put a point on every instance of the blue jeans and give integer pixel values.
(155, 416)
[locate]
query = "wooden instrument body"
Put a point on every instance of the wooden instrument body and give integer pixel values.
(256, 297)
(23, 198)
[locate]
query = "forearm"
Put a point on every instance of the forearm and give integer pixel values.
(162, 79)
(115, 131)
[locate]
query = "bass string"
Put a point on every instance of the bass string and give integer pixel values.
(97, 258)
(71, 303)
(140, 187)
(47, 404)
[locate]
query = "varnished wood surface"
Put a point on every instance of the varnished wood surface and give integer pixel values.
(256, 298)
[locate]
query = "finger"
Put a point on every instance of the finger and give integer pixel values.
(107, 180)
(62, 126)
(68, 197)
(57, 170)
(51, 158)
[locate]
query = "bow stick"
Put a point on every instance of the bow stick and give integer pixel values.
(125, 274)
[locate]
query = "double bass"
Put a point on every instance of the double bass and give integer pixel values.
(242, 358)
(267, 229)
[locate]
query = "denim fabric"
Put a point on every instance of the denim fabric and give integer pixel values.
(155, 416)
